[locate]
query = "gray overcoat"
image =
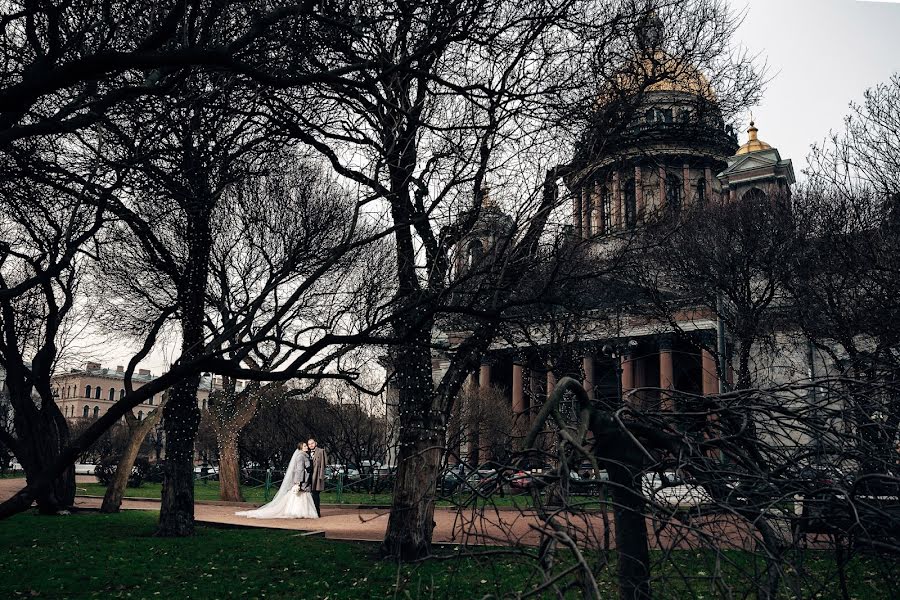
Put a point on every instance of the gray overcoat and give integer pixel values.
(301, 471)
(319, 460)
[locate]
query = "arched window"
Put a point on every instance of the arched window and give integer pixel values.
(673, 194)
(475, 251)
(140, 415)
(112, 394)
(630, 204)
(754, 195)
(97, 392)
(606, 208)
(96, 412)
(87, 391)
(86, 412)
(701, 191)
(121, 393)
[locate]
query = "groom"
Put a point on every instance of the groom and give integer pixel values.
(318, 459)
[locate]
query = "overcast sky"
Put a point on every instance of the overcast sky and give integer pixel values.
(821, 55)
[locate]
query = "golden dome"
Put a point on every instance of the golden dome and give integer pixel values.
(753, 144)
(672, 76)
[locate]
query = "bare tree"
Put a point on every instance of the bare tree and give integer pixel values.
(459, 93)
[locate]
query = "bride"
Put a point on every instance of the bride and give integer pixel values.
(293, 500)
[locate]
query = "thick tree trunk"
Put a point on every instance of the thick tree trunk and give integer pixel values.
(631, 523)
(41, 437)
(181, 418)
(229, 469)
(421, 439)
(411, 521)
(115, 491)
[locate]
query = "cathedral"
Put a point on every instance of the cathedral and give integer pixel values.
(674, 154)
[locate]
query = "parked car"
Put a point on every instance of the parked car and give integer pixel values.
(670, 489)
(85, 468)
(521, 480)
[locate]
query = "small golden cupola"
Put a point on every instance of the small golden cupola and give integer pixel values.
(754, 144)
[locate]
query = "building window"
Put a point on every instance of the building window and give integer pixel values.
(112, 394)
(754, 195)
(121, 393)
(204, 404)
(97, 393)
(673, 194)
(96, 412)
(606, 208)
(86, 412)
(140, 415)
(150, 401)
(701, 191)
(630, 204)
(87, 391)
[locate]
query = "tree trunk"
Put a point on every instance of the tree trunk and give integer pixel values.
(181, 418)
(41, 437)
(229, 469)
(421, 439)
(631, 525)
(115, 491)
(411, 521)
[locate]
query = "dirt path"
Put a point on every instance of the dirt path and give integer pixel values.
(489, 526)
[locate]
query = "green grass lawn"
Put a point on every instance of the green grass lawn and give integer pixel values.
(92, 555)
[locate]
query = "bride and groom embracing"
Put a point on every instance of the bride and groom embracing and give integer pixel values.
(298, 496)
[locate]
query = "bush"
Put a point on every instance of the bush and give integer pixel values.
(139, 472)
(155, 473)
(105, 471)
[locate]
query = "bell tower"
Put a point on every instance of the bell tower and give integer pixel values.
(757, 169)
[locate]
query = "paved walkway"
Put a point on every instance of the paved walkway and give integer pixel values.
(486, 526)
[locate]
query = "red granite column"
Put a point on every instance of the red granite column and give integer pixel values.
(576, 211)
(484, 384)
(587, 202)
(661, 198)
(666, 374)
(627, 374)
(588, 364)
(551, 382)
(638, 196)
(710, 375)
(518, 402)
(686, 182)
(616, 203)
(472, 408)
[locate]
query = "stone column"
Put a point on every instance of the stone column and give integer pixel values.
(484, 383)
(627, 374)
(662, 189)
(597, 209)
(471, 387)
(710, 375)
(484, 375)
(686, 182)
(551, 382)
(520, 419)
(587, 203)
(638, 196)
(666, 374)
(588, 364)
(576, 212)
(616, 203)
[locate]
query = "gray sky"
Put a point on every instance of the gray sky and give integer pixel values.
(821, 54)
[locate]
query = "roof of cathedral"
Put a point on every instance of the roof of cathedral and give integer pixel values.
(754, 144)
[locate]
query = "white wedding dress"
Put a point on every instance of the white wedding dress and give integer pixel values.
(290, 502)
